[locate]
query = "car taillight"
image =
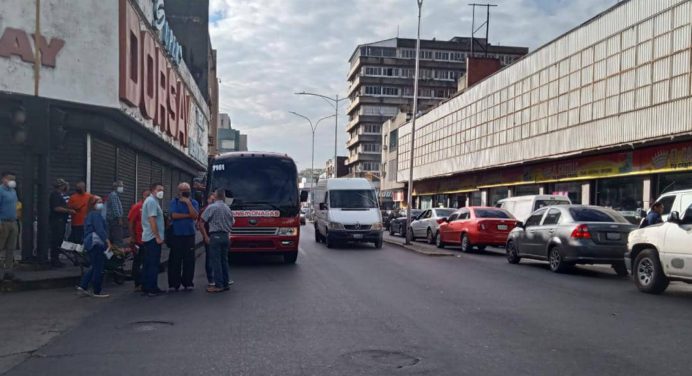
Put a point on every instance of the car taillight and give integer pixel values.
(581, 232)
(440, 221)
(481, 226)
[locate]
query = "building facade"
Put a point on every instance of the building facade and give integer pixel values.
(381, 79)
(109, 97)
(602, 114)
(341, 168)
(229, 139)
(391, 193)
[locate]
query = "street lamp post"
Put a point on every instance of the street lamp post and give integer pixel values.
(335, 104)
(313, 128)
(413, 130)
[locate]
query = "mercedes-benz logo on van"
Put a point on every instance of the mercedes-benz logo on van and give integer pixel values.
(252, 222)
(357, 226)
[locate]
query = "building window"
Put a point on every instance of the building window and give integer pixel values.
(408, 73)
(391, 91)
(425, 74)
(390, 72)
(425, 54)
(407, 53)
(371, 128)
(379, 110)
(373, 71)
(393, 139)
(441, 55)
(373, 90)
(369, 166)
(441, 75)
(425, 92)
(371, 148)
(408, 91)
(458, 56)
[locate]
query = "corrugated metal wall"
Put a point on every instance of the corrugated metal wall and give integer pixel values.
(621, 78)
(102, 167)
(127, 172)
(143, 172)
(69, 162)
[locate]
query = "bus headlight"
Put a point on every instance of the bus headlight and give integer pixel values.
(336, 226)
(288, 231)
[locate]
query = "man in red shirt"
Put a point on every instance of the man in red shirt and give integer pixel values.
(134, 219)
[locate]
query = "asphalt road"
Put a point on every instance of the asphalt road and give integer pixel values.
(361, 311)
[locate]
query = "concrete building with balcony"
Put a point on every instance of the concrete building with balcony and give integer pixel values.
(381, 80)
(229, 139)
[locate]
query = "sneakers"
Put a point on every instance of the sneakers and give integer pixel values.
(82, 292)
(214, 290)
(100, 295)
(154, 293)
(188, 288)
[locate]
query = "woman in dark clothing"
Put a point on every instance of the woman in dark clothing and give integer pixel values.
(95, 244)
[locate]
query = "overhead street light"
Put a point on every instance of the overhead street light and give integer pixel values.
(335, 103)
(313, 128)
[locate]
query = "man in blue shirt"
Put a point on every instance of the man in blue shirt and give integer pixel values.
(115, 214)
(152, 237)
(184, 211)
(8, 222)
(654, 216)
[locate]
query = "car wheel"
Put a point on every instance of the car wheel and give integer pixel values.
(328, 240)
(290, 257)
(430, 237)
(465, 244)
(648, 273)
(318, 237)
(378, 244)
(620, 269)
(557, 261)
(438, 241)
(512, 253)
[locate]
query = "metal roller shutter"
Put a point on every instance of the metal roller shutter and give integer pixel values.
(11, 156)
(102, 167)
(127, 172)
(69, 162)
(143, 172)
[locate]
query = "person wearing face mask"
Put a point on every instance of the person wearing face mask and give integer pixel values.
(114, 214)
(134, 218)
(184, 211)
(79, 202)
(152, 237)
(9, 230)
(203, 228)
(95, 243)
(59, 212)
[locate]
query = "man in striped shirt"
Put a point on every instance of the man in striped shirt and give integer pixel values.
(219, 217)
(115, 214)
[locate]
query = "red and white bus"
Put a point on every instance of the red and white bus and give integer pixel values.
(262, 191)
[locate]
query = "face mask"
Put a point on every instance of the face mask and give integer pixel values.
(185, 194)
(99, 206)
(120, 189)
(12, 184)
(159, 195)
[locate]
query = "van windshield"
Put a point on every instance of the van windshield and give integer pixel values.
(543, 203)
(352, 199)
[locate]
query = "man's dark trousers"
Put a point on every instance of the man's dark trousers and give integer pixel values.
(152, 260)
(182, 257)
(57, 235)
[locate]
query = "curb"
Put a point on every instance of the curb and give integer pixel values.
(420, 251)
(55, 283)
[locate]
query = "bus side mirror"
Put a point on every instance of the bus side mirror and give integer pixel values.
(323, 206)
(303, 196)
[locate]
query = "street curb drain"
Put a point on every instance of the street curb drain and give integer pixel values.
(382, 358)
(149, 326)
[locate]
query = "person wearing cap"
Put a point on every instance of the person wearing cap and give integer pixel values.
(59, 213)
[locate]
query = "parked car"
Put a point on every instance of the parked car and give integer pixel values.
(661, 253)
(303, 213)
(521, 207)
(476, 227)
(427, 224)
(566, 235)
(398, 224)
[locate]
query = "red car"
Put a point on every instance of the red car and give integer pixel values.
(476, 227)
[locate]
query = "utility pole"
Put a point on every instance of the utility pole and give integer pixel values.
(485, 24)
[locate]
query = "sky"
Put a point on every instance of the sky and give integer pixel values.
(270, 49)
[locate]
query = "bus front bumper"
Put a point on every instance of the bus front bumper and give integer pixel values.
(262, 244)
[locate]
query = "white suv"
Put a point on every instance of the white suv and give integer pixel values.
(661, 253)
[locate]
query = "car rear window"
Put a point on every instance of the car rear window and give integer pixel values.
(491, 213)
(444, 212)
(595, 215)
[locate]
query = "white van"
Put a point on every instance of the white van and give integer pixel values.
(677, 201)
(346, 209)
(521, 207)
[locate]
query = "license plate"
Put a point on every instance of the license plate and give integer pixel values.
(613, 236)
(502, 227)
(357, 236)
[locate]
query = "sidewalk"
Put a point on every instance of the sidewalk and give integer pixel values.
(418, 247)
(34, 277)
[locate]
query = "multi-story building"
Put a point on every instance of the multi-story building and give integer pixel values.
(381, 84)
(600, 114)
(341, 169)
(229, 139)
(105, 94)
(392, 193)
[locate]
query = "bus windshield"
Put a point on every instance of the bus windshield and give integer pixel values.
(262, 183)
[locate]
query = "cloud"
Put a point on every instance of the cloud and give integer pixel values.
(270, 49)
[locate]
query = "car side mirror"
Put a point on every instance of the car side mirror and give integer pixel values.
(303, 196)
(323, 206)
(521, 224)
(674, 217)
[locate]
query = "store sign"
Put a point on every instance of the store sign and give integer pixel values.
(166, 36)
(148, 81)
(16, 42)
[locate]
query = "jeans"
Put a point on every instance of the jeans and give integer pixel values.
(181, 258)
(137, 265)
(152, 261)
(207, 265)
(57, 235)
(95, 273)
(115, 231)
(218, 244)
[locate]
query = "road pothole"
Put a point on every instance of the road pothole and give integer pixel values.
(383, 358)
(149, 326)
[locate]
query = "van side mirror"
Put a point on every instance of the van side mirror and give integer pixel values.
(323, 206)
(303, 196)
(520, 224)
(674, 217)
